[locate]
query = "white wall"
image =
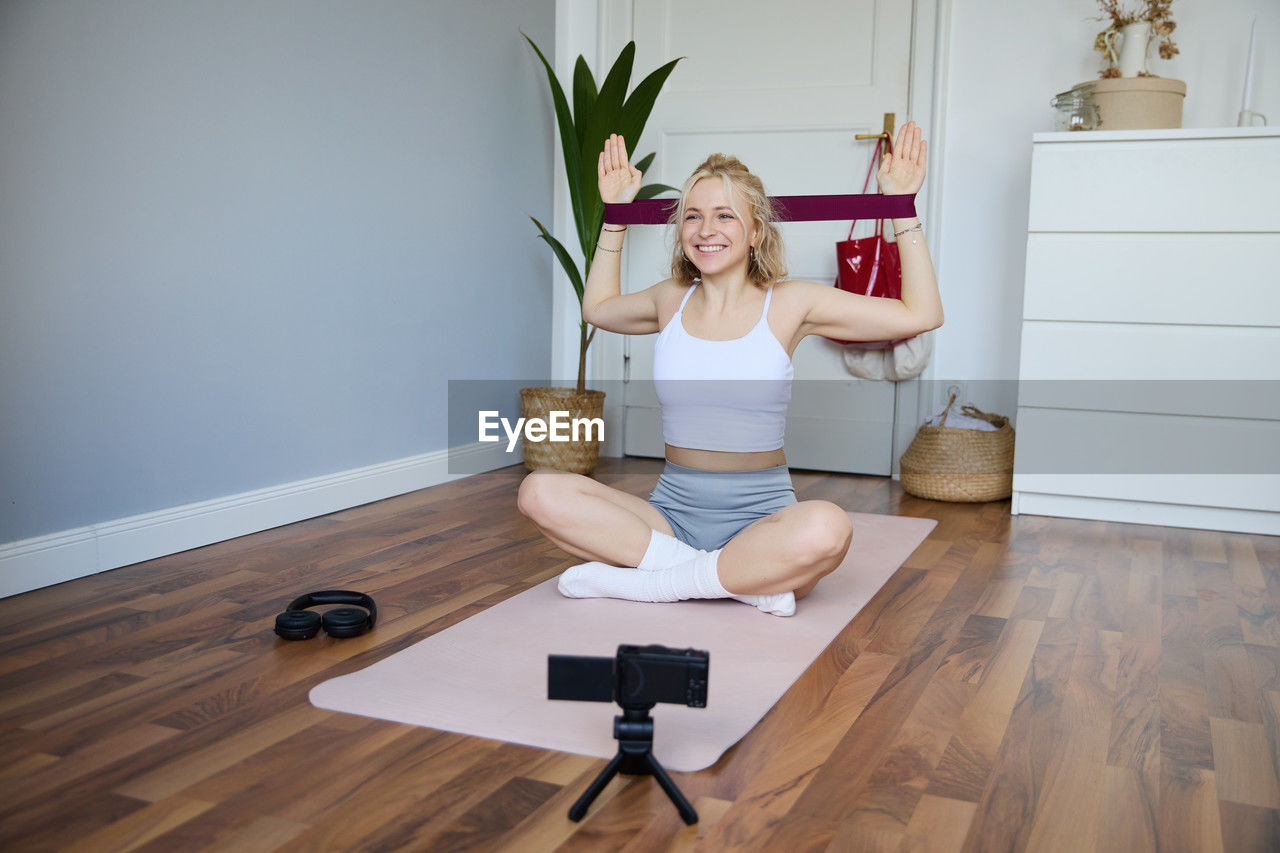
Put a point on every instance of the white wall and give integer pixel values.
(1005, 61)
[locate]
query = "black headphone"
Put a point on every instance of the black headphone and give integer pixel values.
(298, 623)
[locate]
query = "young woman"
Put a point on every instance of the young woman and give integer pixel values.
(723, 521)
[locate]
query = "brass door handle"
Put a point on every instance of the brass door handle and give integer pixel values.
(886, 134)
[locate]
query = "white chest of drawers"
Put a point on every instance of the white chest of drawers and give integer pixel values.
(1149, 378)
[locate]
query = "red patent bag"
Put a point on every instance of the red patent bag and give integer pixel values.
(869, 265)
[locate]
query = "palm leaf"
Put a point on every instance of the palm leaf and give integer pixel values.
(584, 96)
(654, 190)
(568, 136)
(605, 119)
(636, 110)
(609, 101)
(575, 277)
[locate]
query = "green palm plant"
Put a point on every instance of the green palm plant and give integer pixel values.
(597, 113)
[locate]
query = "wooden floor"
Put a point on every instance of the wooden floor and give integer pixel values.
(1020, 683)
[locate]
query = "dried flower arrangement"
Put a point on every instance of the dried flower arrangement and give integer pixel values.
(1155, 11)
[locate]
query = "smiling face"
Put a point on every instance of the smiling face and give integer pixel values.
(725, 212)
(713, 236)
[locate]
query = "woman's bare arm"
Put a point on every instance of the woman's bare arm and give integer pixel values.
(603, 304)
(836, 314)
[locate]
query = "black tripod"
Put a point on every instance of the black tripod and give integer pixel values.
(634, 731)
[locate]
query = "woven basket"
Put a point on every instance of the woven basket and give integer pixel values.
(963, 465)
(580, 456)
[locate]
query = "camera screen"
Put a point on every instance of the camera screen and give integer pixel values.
(580, 679)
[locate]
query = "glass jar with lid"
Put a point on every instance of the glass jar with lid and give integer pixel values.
(1076, 109)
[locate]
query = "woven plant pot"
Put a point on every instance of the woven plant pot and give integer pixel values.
(961, 465)
(580, 456)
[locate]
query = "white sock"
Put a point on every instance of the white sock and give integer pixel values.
(664, 552)
(778, 604)
(694, 578)
(596, 580)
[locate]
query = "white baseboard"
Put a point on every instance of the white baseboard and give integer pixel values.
(46, 560)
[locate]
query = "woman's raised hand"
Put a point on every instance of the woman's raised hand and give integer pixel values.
(903, 173)
(619, 180)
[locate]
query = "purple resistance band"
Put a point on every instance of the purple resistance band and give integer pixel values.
(790, 208)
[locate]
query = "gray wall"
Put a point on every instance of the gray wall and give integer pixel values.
(246, 243)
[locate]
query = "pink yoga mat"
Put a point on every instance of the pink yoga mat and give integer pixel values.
(487, 675)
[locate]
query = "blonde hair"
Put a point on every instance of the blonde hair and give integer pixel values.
(768, 264)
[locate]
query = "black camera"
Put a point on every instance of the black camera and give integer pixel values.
(638, 676)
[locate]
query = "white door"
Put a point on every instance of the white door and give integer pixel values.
(786, 87)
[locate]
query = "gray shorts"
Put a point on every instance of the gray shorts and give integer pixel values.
(708, 508)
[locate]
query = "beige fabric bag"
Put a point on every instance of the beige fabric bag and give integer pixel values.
(907, 360)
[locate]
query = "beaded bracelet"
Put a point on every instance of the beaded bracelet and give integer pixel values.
(603, 249)
(919, 226)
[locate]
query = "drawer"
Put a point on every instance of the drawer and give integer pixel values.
(1065, 442)
(1213, 398)
(1203, 279)
(1118, 351)
(1156, 185)
(1120, 497)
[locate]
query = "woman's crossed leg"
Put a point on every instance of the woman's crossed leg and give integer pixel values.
(792, 550)
(589, 519)
(786, 552)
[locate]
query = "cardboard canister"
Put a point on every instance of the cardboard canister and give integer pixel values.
(1139, 103)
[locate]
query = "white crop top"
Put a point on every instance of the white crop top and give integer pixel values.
(722, 395)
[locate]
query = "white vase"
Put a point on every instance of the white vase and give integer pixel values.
(1133, 48)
